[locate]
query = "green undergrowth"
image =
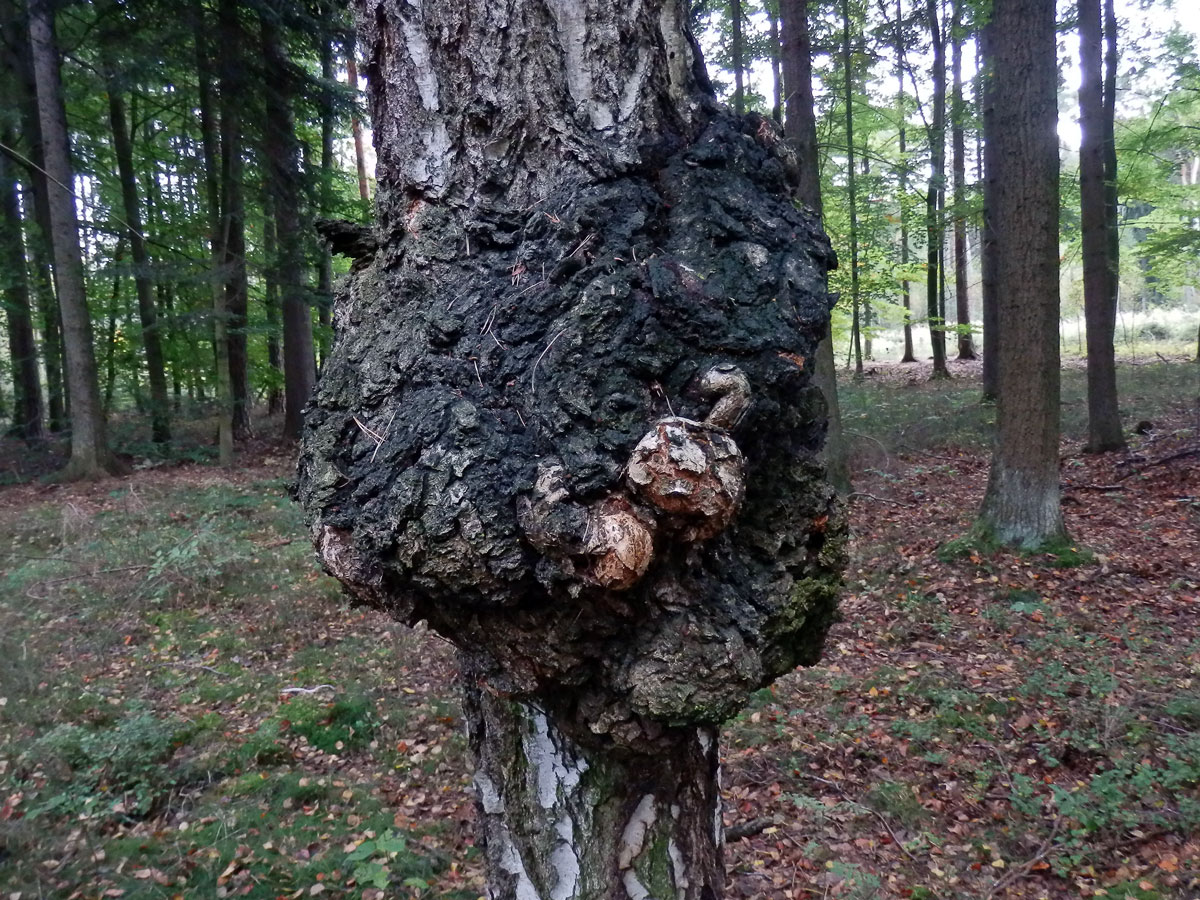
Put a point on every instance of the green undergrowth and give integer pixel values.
(883, 419)
(189, 708)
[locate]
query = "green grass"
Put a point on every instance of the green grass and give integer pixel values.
(147, 641)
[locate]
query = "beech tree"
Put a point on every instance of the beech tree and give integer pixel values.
(1097, 172)
(90, 456)
(568, 420)
(1021, 505)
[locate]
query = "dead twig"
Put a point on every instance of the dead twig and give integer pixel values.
(878, 815)
(1024, 868)
(881, 499)
(533, 374)
(745, 830)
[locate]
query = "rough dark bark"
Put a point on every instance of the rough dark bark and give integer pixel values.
(282, 158)
(1100, 267)
(218, 226)
(958, 115)
(14, 280)
(160, 417)
(800, 127)
(90, 456)
(935, 196)
(232, 66)
(568, 420)
(1021, 505)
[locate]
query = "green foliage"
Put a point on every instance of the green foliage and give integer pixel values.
(344, 725)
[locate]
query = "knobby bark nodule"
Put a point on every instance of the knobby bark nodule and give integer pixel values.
(1021, 505)
(568, 420)
(1100, 263)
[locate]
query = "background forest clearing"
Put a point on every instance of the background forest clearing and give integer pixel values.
(189, 708)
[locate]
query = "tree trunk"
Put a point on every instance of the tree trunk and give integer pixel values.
(271, 302)
(466, 454)
(988, 249)
(22, 348)
(851, 192)
(935, 229)
(151, 334)
(958, 115)
(776, 74)
(90, 457)
(1100, 266)
(560, 819)
(360, 157)
(217, 228)
(283, 170)
(233, 212)
(110, 337)
(1021, 505)
(902, 144)
(801, 130)
(737, 56)
(324, 254)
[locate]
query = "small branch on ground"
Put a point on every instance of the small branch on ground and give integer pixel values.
(745, 830)
(1024, 868)
(881, 499)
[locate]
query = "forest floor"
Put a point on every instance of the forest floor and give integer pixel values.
(188, 708)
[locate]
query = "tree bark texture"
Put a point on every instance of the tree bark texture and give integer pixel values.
(90, 457)
(22, 349)
(958, 115)
(800, 127)
(283, 170)
(1100, 273)
(147, 312)
(568, 420)
(1021, 504)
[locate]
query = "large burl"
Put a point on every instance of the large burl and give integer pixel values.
(580, 438)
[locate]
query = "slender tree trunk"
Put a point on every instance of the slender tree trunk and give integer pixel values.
(1100, 266)
(958, 115)
(22, 348)
(360, 157)
(988, 249)
(902, 138)
(935, 197)
(110, 338)
(271, 301)
(233, 211)
(776, 75)
(325, 255)
(151, 334)
(851, 189)
(1021, 505)
(800, 126)
(283, 161)
(90, 457)
(217, 228)
(737, 54)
